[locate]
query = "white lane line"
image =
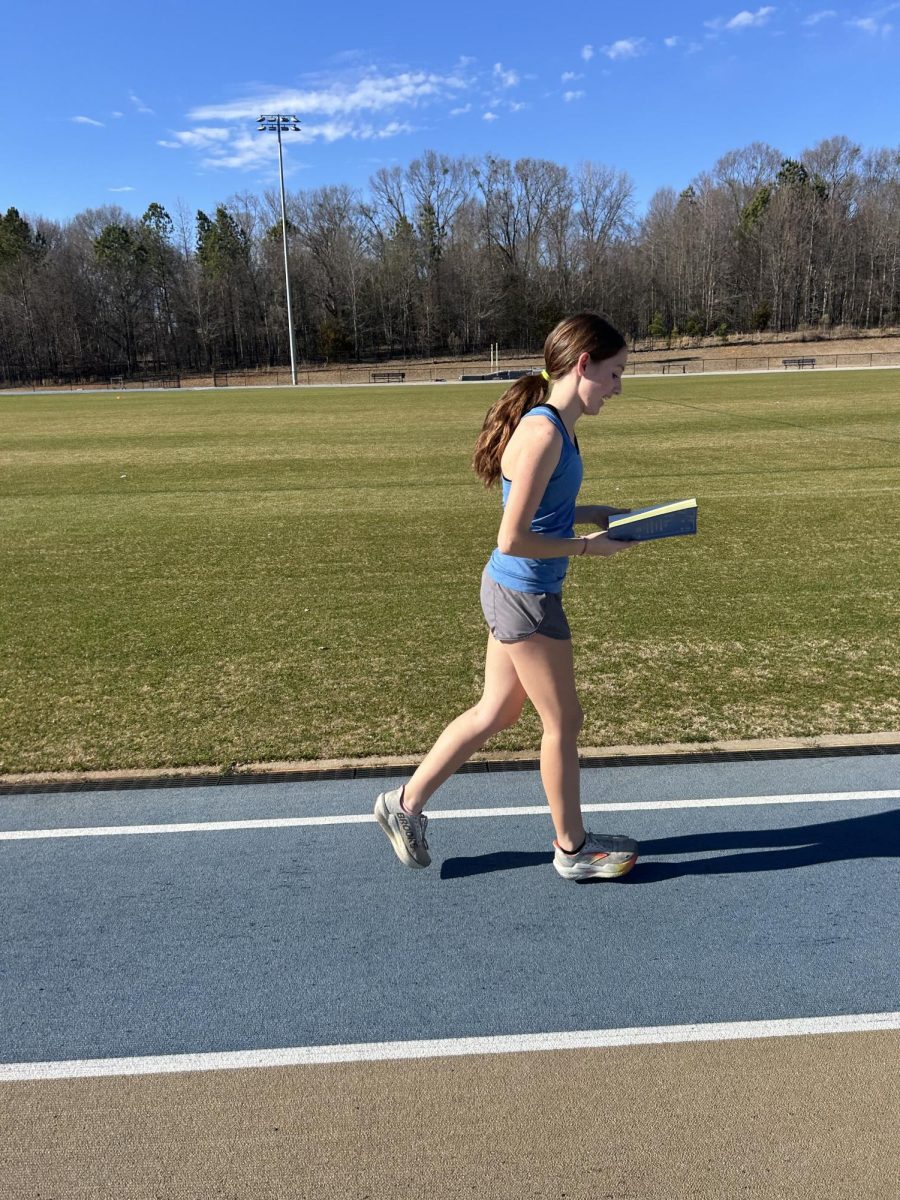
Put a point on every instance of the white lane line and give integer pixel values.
(590, 1039)
(531, 810)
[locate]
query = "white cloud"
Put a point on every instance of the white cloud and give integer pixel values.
(202, 138)
(816, 17)
(243, 152)
(361, 105)
(516, 105)
(569, 76)
(334, 131)
(369, 93)
(671, 42)
(587, 53)
(121, 189)
(392, 129)
(570, 96)
(489, 116)
(87, 121)
(505, 79)
(117, 114)
(139, 104)
(224, 147)
(242, 149)
(743, 19)
(871, 26)
(626, 48)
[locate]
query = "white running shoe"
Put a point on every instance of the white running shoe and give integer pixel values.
(406, 831)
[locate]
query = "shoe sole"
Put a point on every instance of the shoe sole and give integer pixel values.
(395, 838)
(610, 871)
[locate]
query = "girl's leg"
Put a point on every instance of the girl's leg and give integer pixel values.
(499, 707)
(546, 670)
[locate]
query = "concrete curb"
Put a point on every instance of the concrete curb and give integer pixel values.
(382, 766)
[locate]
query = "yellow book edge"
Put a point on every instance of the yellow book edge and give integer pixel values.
(649, 513)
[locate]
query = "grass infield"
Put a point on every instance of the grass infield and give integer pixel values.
(242, 576)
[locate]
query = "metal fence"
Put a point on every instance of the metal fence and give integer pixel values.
(785, 362)
(451, 372)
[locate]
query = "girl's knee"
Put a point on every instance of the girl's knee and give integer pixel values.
(507, 719)
(565, 724)
(496, 720)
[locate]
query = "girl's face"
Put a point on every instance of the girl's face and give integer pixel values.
(598, 380)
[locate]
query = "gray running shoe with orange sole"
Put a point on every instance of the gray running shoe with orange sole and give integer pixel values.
(603, 856)
(406, 831)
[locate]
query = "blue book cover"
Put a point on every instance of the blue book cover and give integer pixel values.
(674, 519)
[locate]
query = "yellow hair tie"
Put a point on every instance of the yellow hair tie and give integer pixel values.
(545, 375)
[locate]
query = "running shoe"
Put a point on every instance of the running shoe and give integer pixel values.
(603, 856)
(405, 830)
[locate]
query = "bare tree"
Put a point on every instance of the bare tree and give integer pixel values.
(446, 254)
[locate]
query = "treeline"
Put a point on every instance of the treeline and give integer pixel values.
(450, 254)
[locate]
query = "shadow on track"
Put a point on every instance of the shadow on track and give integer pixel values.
(875, 836)
(484, 864)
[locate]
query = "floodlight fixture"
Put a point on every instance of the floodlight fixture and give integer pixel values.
(275, 123)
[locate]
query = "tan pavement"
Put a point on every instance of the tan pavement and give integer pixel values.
(800, 1117)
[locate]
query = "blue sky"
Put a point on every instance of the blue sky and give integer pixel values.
(107, 104)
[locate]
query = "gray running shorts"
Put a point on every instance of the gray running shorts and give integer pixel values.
(513, 616)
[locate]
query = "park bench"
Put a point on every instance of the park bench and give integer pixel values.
(512, 373)
(674, 363)
(388, 376)
(145, 381)
(799, 363)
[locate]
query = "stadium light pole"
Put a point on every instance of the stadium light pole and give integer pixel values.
(275, 123)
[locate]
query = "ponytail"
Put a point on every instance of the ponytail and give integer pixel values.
(566, 342)
(501, 421)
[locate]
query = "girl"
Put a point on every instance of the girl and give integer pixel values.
(531, 444)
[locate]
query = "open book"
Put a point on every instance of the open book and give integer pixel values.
(658, 521)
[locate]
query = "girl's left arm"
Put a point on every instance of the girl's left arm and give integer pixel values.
(596, 514)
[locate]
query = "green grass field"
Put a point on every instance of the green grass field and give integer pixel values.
(240, 576)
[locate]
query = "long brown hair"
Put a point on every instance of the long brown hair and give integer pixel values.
(585, 332)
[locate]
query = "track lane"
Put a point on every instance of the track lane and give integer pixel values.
(206, 942)
(270, 938)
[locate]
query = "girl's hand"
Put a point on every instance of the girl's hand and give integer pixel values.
(601, 545)
(602, 513)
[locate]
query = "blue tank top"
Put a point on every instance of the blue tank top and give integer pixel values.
(555, 517)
